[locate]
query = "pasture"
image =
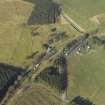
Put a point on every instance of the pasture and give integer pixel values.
(16, 39)
(82, 12)
(35, 94)
(86, 76)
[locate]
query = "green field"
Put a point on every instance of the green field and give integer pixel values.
(82, 11)
(16, 39)
(35, 94)
(86, 76)
(25, 29)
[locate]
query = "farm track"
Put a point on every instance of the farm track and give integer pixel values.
(39, 93)
(73, 23)
(44, 63)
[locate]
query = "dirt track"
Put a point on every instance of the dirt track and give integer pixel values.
(73, 23)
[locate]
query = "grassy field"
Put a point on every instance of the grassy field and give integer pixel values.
(36, 94)
(13, 15)
(82, 11)
(86, 76)
(16, 40)
(20, 20)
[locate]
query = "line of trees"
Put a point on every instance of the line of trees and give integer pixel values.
(55, 12)
(56, 76)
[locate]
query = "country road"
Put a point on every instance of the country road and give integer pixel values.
(72, 48)
(44, 63)
(73, 23)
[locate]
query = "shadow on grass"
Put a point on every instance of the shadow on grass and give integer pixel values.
(8, 74)
(81, 101)
(56, 75)
(42, 11)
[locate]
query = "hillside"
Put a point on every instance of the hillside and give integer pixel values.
(35, 94)
(85, 12)
(16, 36)
(20, 40)
(52, 52)
(86, 75)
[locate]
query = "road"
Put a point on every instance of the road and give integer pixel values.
(73, 23)
(45, 63)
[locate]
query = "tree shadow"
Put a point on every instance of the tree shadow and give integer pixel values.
(42, 11)
(81, 101)
(56, 75)
(8, 74)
